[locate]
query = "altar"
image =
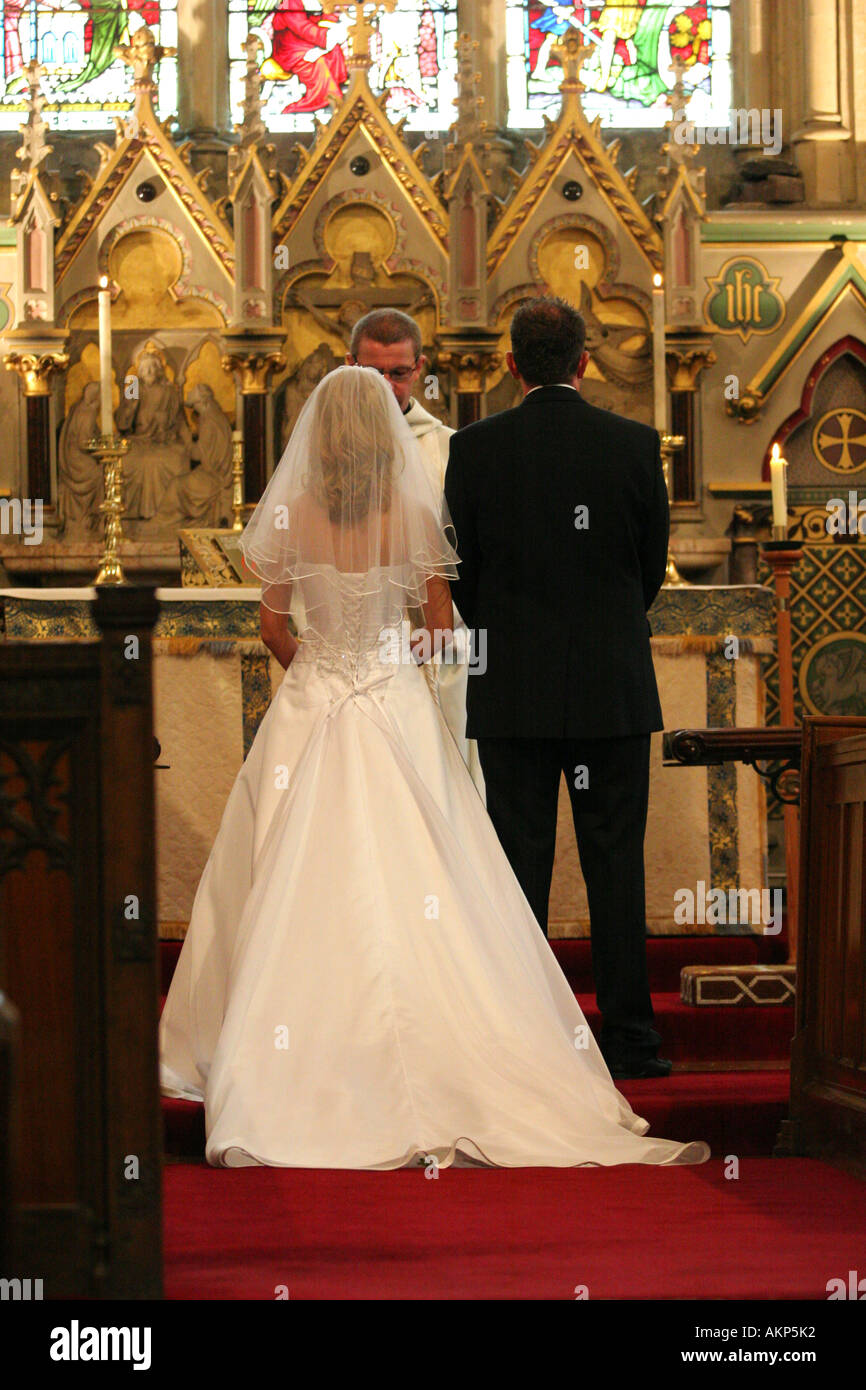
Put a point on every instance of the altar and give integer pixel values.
(213, 681)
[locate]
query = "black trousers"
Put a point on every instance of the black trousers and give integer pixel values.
(608, 782)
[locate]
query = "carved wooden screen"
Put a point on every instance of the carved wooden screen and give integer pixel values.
(78, 954)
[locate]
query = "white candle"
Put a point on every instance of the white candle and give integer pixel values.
(660, 386)
(107, 414)
(779, 488)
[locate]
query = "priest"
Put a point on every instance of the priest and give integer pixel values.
(390, 341)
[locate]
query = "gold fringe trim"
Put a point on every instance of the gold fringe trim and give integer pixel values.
(710, 646)
(172, 931)
(214, 646)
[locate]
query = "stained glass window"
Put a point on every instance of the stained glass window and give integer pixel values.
(74, 40)
(304, 60)
(627, 74)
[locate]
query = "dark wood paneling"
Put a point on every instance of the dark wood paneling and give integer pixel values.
(76, 843)
(828, 1068)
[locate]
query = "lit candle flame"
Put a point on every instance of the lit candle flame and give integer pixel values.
(657, 281)
(779, 489)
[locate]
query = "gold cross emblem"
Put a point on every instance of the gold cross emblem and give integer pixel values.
(839, 440)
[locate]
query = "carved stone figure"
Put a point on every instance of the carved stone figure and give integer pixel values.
(160, 439)
(337, 309)
(80, 475)
(154, 413)
(307, 376)
(203, 496)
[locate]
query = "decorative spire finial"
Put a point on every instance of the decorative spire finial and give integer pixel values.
(33, 149)
(142, 54)
(361, 29)
(680, 145)
(252, 128)
(468, 125)
(572, 54)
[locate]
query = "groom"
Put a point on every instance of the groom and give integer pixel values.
(561, 516)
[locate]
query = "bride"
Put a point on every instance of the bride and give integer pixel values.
(363, 984)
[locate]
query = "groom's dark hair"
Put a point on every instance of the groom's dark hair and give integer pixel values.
(547, 340)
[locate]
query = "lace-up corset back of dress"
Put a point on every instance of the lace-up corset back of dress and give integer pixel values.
(345, 616)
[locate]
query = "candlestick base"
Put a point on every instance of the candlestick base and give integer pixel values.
(109, 449)
(673, 579)
(782, 546)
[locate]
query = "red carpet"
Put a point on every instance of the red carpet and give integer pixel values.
(781, 1230)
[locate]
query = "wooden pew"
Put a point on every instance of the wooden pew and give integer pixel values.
(78, 954)
(828, 1056)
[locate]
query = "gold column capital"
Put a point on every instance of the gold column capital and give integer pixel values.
(470, 365)
(253, 368)
(35, 369)
(685, 363)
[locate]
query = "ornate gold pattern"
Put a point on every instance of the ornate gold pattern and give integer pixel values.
(204, 562)
(255, 693)
(220, 620)
(749, 611)
(109, 450)
(722, 778)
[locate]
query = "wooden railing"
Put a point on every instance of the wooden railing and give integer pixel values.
(826, 762)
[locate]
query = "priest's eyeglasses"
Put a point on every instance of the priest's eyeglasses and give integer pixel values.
(397, 373)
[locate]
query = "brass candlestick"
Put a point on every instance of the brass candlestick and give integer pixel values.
(237, 480)
(669, 443)
(109, 450)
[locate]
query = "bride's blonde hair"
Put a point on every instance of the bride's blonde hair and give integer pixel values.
(353, 440)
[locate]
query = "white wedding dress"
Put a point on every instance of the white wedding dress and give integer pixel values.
(363, 984)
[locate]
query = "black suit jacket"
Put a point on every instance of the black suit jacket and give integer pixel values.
(563, 607)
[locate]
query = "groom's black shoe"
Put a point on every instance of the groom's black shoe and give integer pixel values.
(649, 1067)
